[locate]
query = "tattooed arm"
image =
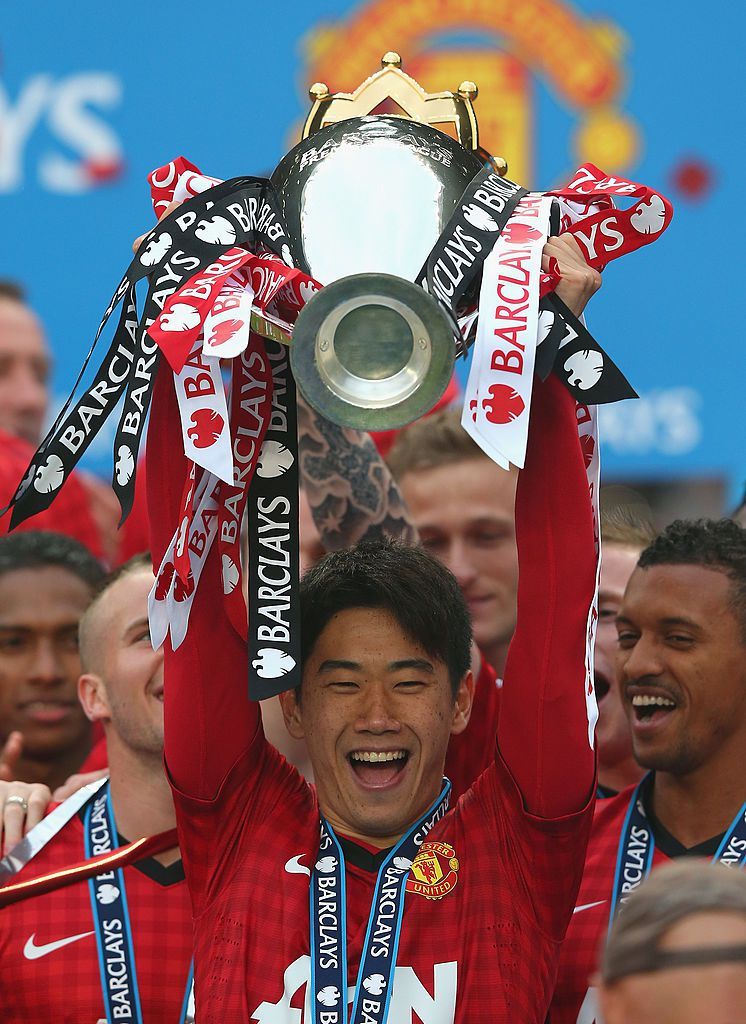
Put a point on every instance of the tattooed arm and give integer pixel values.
(351, 492)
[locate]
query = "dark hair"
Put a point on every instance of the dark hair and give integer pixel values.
(718, 544)
(420, 593)
(12, 290)
(39, 549)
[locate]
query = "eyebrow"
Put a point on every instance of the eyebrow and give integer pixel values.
(331, 664)
(20, 627)
(137, 624)
(671, 620)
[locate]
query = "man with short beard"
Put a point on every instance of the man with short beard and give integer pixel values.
(118, 947)
(682, 671)
(47, 581)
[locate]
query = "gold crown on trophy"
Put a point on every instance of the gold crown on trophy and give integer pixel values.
(392, 84)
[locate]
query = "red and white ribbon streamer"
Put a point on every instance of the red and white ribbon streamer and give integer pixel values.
(167, 576)
(228, 324)
(497, 401)
(204, 414)
(251, 407)
(170, 599)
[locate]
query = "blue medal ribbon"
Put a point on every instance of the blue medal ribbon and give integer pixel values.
(116, 954)
(637, 846)
(329, 925)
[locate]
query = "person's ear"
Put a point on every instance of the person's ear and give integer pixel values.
(463, 704)
(92, 696)
(292, 713)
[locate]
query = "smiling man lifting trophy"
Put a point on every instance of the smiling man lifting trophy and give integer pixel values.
(384, 246)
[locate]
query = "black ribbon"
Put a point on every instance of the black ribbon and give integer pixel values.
(61, 451)
(587, 371)
(467, 239)
(458, 256)
(241, 212)
(274, 554)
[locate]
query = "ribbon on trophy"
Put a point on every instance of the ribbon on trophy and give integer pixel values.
(219, 271)
(223, 284)
(518, 314)
(230, 298)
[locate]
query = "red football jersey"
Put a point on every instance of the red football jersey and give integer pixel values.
(574, 1000)
(49, 967)
(487, 947)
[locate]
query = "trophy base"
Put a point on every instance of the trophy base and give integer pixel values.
(372, 351)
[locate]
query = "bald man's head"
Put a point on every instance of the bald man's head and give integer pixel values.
(122, 681)
(96, 622)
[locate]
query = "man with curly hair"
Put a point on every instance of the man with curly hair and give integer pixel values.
(682, 668)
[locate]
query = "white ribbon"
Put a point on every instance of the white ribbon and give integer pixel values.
(497, 402)
(204, 414)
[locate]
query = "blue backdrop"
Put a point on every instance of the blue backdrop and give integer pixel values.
(91, 100)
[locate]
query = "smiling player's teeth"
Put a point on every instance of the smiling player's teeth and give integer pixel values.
(375, 756)
(644, 701)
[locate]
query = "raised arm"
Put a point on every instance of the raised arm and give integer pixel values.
(209, 720)
(543, 729)
(352, 494)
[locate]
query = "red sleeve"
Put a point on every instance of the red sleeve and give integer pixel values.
(133, 535)
(472, 750)
(97, 759)
(210, 724)
(543, 727)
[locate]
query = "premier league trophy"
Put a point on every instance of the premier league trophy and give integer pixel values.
(381, 248)
(365, 199)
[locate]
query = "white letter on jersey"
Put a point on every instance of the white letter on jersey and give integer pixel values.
(409, 995)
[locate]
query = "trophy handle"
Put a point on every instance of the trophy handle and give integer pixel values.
(372, 351)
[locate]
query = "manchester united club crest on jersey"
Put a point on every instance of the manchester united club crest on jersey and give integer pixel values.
(434, 871)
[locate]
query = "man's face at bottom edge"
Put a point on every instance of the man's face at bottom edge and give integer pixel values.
(715, 993)
(376, 712)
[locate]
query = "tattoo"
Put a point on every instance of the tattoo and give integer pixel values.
(352, 495)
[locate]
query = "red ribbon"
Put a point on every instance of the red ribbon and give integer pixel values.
(140, 849)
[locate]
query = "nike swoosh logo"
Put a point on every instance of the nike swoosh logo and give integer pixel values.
(32, 952)
(587, 906)
(294, 866)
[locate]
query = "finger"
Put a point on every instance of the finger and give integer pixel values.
(571, 266)
(169, 209)
(13, 819)
(11, 752)
(70, 786)
(38, 802)
(569, 240)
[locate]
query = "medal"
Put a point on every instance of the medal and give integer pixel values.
(116, 954)
(329, 925)
(637, 846)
